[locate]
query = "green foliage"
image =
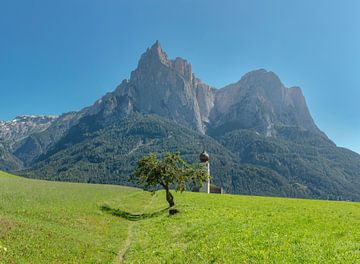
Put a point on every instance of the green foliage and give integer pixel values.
(109, 155)
(172, 170)
(311, 164)
(297, 163)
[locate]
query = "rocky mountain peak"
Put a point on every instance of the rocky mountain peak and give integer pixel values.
(24, 125)
(167, 87)
(261, 74)
(164, 87)
(239, 120)
(260, 101)
(153, 56)
(262, 81)
(155, 59)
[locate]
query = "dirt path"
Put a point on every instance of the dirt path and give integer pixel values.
(127, 243)
(122, 253)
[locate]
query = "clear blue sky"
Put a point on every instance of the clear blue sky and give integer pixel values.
(59, 56)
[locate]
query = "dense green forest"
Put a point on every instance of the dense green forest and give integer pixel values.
(242, 161)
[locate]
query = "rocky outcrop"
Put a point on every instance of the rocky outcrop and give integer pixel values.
(169, 88)
(259, 101)
(22, 126)
(164, 87)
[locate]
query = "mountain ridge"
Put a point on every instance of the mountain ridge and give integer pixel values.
(24, 125)
(169, 88)
(261, 134)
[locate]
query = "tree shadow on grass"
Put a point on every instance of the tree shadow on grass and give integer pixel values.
(130, 216)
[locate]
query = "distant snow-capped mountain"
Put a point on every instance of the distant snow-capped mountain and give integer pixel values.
(22, 126)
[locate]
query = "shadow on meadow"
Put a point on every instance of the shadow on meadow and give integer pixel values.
(130, 216)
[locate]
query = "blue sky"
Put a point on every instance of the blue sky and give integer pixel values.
(59, 56)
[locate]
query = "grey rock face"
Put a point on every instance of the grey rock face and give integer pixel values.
(22, 126)
(168, 88)
(261, 102)
(164, 87)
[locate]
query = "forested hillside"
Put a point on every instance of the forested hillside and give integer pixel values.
(260, 134)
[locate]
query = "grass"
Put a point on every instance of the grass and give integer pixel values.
(52, 222)
(241, 229)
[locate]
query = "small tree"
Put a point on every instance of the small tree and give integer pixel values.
(171, 171)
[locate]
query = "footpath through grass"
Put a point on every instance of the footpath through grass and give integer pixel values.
(51, 222)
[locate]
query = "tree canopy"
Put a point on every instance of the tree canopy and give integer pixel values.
(169, 172)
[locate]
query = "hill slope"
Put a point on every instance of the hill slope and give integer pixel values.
(242, 161)
(312, 165)
(95, 152)
(8, 161)
(260, 134)
(45, 222)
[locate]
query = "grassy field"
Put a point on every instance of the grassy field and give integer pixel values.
(52, 222)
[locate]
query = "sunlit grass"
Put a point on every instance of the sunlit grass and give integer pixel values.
(242, 229)
(52, 222)
(45, 222)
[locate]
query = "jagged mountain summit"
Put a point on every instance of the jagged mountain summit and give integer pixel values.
(164, 87)
(170, 89)
(260, 134)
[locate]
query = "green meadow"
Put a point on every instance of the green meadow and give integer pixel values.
(55, 222)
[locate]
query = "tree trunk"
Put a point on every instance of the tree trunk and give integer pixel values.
(169, 198)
